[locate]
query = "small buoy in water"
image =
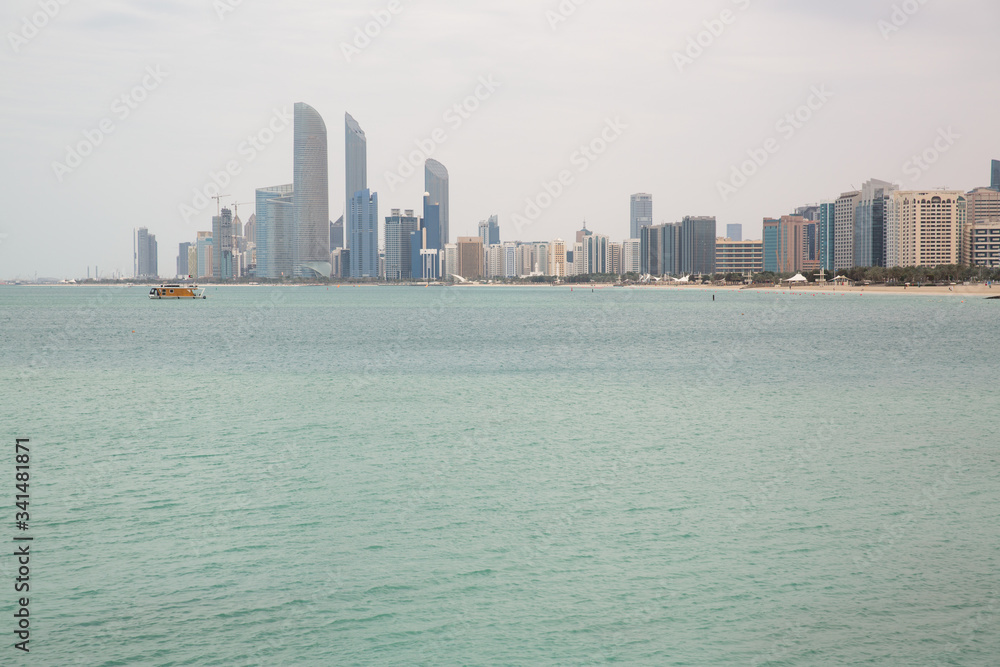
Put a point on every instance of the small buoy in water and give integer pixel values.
(133, 330)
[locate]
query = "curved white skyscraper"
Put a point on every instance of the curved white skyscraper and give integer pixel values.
(311, 194)
(436, 185)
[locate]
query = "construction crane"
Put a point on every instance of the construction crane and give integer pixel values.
(236, 209)
(218, 204)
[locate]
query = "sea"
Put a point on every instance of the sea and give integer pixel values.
(342, 475)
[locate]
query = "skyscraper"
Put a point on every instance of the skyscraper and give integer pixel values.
(772, 249)
(311, 196)
(827, 235)
(355, 168)
(182, 259)
(470, 257)
(845, 212)
(489, 231)
(640, 213)
(275, 231)
(223, 239)
(660, 249)
(436, 185)
(734, 232)
(698, 245)
(398, 263)
(995, 175)
(363, 223)
(145, 254)
(870, 223)
(931, 224)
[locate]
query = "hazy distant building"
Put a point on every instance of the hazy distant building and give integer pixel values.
(223, 244)
(557, 259)
(995, 175)
(698, 236)
(469, 257)
(540, 256)
(355, 167)
(145, 254)
(982, 204)
(363, 244)
(250, 229)
(337, 234)
(640, 213)
(192, 260)
(183, 259)
(743, 257)
(931, 225)
(845, 211)
(810, 212)
(489, 231)
(734, 232)
(311, 194)
(204, 249)
(436, 185)
(275, 231)
(449, 261)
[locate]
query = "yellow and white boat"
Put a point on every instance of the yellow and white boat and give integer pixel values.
(177, 292)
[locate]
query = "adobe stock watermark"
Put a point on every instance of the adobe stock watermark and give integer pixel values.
(562, 13)
(581, 159)
(34, 24)
(364, 35)
(702, 41)
(920, 164)
(224, 7)
(248, 150)
(900, 17)
(787, 127)
(121, 108)
(454, 117)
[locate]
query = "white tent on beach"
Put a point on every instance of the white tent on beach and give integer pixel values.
(797, 279)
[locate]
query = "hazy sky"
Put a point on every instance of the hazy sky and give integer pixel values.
(201, 76)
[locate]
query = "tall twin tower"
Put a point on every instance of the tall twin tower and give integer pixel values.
(293, 220)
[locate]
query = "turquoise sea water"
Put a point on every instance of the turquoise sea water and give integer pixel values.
(511, 476)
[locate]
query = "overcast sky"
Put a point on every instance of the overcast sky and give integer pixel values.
(211, 73)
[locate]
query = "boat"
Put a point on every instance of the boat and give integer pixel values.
(177, 291)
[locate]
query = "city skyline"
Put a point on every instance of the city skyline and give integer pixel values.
(506, 124)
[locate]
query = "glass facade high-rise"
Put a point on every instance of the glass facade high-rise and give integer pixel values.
(660, 249)
(311, 195)
(698, 236)
(223, 240)
(436, 185)
(772, 245)
(146, 254)
(183, 255)
(489, 231)
(363, 223)
(734, 232)
(275, 232)
(398, 257)
(355, 169)
(869, 223)
(827, 235)
(995, 175)
(640, 213)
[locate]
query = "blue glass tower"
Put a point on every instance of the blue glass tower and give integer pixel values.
(364, 234)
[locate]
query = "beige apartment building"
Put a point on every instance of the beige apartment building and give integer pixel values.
(931, 225)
